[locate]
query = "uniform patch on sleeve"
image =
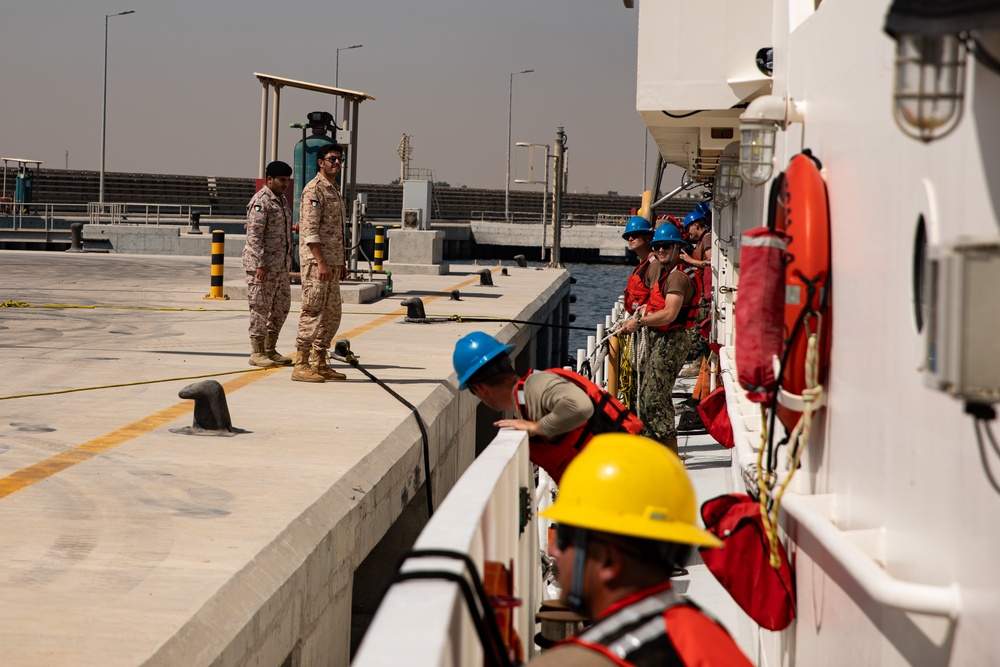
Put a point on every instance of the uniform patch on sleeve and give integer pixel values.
(256, 207)
(314, 202)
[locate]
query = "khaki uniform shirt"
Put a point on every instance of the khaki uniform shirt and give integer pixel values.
(269, 233)
(558, 405)
(321, 220)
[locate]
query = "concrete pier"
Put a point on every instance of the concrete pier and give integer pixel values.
(128, 544)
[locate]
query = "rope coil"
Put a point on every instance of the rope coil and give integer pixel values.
(812, 396)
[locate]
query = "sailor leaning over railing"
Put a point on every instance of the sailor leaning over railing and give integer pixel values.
(559, 410)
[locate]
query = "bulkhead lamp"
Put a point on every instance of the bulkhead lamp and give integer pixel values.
(929, 89)
(728, 183)
(758, 126)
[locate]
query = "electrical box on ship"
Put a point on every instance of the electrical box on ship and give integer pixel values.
(962, 355)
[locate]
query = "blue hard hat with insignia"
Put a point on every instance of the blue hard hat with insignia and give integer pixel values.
(637, 223)
(667, 233)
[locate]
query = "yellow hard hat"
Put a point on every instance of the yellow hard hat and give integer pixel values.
(633, 486)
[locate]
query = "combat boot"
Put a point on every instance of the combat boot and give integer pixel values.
(303, 372)
(257, 356)
(319, 365)
(671, 444)
(270, 341)
(693, 369)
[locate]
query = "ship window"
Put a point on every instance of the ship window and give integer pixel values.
(919, 266)
(722, 133)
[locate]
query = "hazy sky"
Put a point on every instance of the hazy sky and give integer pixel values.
(182, 98)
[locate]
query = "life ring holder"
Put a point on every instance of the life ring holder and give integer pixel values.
(798, 206)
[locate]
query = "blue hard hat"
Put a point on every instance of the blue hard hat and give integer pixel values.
(703, 207)
(637, 223)
(667, 233)
(472, 352)
(694, 216)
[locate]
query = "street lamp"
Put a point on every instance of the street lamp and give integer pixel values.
(510, 102)
(336, 75)
(104, 120)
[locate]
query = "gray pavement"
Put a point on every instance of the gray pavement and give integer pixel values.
(127, 544)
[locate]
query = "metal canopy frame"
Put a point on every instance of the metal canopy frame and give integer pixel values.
(21, 163)
(352, 100)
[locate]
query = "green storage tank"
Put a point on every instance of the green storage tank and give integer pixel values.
(322, 133)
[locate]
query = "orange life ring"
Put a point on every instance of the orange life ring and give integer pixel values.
(801, 210)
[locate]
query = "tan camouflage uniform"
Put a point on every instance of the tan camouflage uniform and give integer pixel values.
(269, 246)
(321, 220)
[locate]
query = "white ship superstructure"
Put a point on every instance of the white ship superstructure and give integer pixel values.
(890, 521)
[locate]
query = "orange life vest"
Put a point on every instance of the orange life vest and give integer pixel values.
(636, 292)
(687, 317)
(674, 633)
(609, 416)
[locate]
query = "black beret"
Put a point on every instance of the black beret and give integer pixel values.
(278, 168)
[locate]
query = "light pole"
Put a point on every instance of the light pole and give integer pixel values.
(104, 114)
(336, 77)
(510, 106)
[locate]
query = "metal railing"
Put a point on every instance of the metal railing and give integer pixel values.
(568, 220)
(137, 212)
(14, 214)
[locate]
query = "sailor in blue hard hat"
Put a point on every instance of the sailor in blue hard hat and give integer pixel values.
(669, 313)
(639, 234)
(559, 410)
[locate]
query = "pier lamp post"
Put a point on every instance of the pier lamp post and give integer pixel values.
(104, 114)
(510, 106)
(336, 76)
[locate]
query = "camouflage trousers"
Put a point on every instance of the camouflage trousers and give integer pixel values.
(666, 352)
(269, 302)
(321, 309)
(699, 344)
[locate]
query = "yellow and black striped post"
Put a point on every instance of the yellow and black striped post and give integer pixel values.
(218, 265)
(379, 247)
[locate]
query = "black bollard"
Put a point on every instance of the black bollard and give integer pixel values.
(211, 414)
(75, 237)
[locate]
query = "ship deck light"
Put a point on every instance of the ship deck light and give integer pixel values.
(758, 126)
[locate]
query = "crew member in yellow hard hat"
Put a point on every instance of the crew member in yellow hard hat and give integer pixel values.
(626, 520)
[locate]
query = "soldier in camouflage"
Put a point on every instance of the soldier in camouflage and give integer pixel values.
(321, 251)
(267, 260)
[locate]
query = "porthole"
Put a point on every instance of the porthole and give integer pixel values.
(919, 265)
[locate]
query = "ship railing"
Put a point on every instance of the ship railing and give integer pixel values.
(424, 619)
(810, 522)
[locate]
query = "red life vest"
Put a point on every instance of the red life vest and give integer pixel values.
(657, 627)
(699, 253)
(687, 317)
(609, 416)
(636, 292)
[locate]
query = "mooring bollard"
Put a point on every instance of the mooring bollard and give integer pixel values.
(75, 237)
(379, 247)
(218, 264)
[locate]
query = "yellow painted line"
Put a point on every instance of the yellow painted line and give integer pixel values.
(55, 464)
